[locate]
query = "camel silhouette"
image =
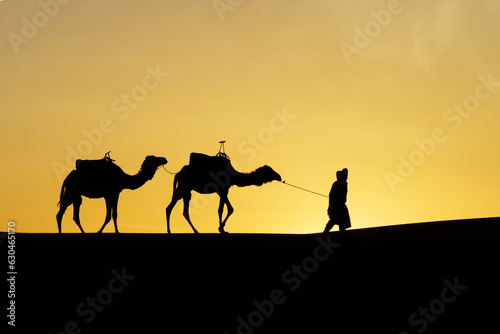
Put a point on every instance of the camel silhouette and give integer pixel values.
(102, 178)
(213, 174)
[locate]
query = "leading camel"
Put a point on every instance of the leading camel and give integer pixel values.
(102, 178)
(213, 174)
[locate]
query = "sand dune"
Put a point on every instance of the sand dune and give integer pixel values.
(437, 277)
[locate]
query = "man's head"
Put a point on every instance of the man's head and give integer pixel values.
(342, 175)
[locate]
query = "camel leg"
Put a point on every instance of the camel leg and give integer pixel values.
(224, 201)
(76, 212)
(114, 212)
(175, 198)
(108, 214)
(64, 203)
(170, 207)
(60, 214)
(67, 197)
(187, 198)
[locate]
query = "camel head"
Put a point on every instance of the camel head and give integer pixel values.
(266, 174)
(151, 164)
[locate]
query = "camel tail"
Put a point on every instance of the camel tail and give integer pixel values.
(63, 190)
(178, 176)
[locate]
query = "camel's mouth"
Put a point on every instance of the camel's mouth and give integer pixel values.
(275, 176)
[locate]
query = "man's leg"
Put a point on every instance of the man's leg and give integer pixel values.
(328, 226)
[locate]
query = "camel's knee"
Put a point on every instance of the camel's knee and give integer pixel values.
(59, 217)
(108, 217)
(186, 204)
(62, 210)
(115, 221)
(168, 210)
(185, 213)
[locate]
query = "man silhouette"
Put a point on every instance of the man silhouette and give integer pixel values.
(337, 209)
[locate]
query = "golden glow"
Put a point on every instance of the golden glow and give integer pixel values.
(293, 85)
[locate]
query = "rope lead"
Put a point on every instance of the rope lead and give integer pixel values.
(168, 170)
(313, 192)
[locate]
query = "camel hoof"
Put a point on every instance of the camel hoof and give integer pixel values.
(100, 231)
(221, 230)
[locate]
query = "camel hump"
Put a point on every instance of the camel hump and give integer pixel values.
(200, 159)
(94, 165)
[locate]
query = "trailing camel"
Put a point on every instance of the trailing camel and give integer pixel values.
(102, 178)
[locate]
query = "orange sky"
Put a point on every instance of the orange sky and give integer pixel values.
(404, 94)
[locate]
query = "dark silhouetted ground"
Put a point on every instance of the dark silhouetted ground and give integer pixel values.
(439, 277)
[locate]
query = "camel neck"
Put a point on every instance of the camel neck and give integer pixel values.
(247, 179)
(135, 181)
